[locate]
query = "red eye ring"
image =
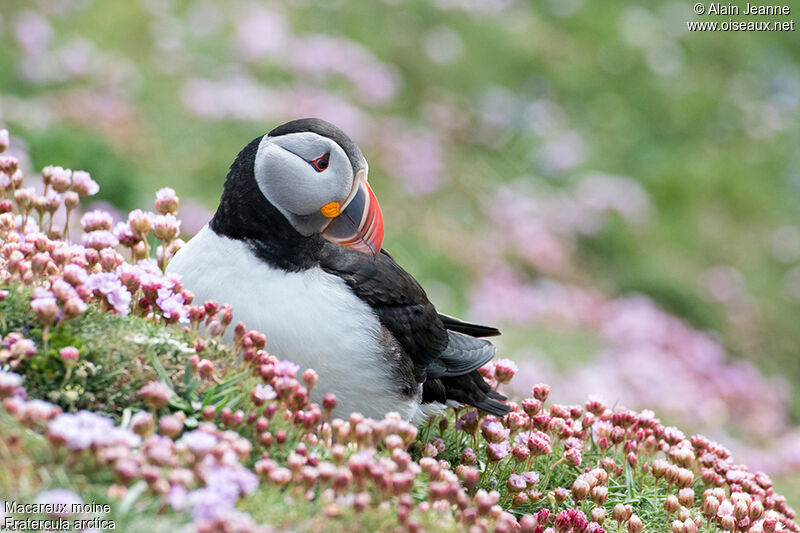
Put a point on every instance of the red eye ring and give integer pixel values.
(321, 163)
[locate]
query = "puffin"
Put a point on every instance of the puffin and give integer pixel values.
(295, 247)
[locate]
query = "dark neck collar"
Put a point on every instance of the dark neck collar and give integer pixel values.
(244, 214)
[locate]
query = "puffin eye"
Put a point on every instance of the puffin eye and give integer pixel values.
(321, 163)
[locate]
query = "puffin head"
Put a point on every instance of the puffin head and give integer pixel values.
(315, 178)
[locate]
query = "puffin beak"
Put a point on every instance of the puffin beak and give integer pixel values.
(359, 224)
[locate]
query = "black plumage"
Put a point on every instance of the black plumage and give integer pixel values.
(446, 361)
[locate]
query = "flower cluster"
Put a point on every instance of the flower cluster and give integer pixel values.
(557, 467)
(67, 277)
(647, 357)
(542, 468)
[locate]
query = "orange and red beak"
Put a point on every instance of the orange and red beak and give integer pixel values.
(359, 224)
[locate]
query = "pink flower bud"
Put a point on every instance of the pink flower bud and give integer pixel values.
(69, 354)
(756, 511)
(685, 478)
(155, 394)
(225, 314)
(328, 402)
(170, 425)
(215, 328)
(468, 457)
(62, 180)
(572, 457)
(493, 430)
(53, 201)
(504, 370)
(45, 309)
(429, 450)
(24, 197)
(520, 452)
(280, 476)
(600, 494)
(74, 307)
(531, 406)
(686, 497)
(166, 227)
(671, 504)
(769, 525)
(496, 451)
(209, 413)
(83, 184)
(622, 513)
(110, 259)
(635, 524)
(167, 201)
(541, 391)
(580, 489)
(516, 483)
(142, 423)
(71, 200)
(310, 378)
(7, 222)
(205, 368)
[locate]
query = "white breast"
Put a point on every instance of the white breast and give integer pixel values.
(310, 317)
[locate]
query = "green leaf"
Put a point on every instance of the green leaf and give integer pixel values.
(132, 494)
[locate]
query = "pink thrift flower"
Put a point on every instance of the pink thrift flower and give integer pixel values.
(516, 483)
(504, 370)
(496, 451)
(287, 369)
(156, 394)
(172, 304)
(10, 383)
(74, 275)
(167, 201)
(140, 222)
(166, 227)
(83, 184)
(62, 180)
(494, 431)
(45, 309)
(96, 219)
(99, 239)
(572, 457)
(261, 394)
(541, 391)
(110, 287)
(69, 354)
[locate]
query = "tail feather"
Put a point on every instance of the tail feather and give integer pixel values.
(470, 389)
(467, 328)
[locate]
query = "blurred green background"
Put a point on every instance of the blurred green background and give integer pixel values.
(619, 194)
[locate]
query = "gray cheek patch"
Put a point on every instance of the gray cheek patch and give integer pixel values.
(290, 183)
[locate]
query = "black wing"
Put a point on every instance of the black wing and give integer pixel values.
(462, 355)
(400, 303)
(445, 361)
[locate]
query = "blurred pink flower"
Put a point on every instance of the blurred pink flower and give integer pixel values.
(261, 31)
(33, 32)
(412, 155)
